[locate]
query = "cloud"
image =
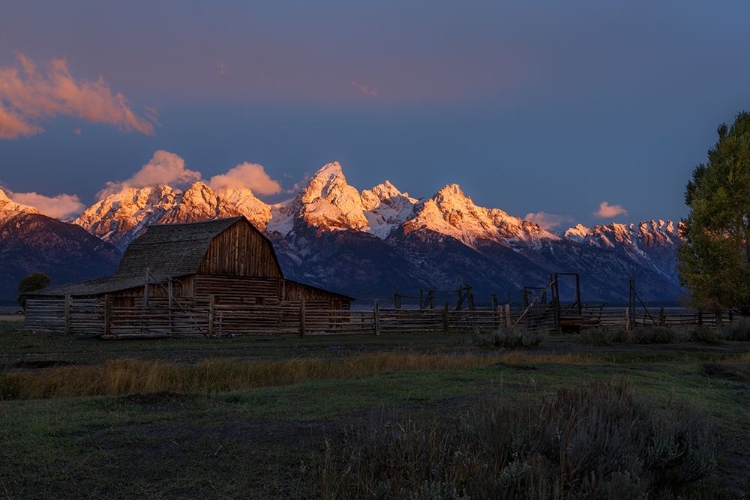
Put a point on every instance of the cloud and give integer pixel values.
(164, 168)
(13, 125)
(29, 95)
(62, 206)
(548, 221)
(222, 68)
(365, 88)
(607, 211)
(246, 175)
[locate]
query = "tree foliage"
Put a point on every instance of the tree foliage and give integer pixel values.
(714, 258)
(32, 283)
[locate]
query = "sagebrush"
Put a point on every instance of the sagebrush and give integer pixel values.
(598, 441)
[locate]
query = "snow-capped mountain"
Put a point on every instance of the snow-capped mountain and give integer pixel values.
(365, 243)
(653, 242)
(121, 217)
(31, 242)
(450, 212)
(10, 208)
(328, 203)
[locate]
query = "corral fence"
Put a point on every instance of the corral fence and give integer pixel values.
(92, 317)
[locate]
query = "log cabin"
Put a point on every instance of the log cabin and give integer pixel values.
(216, 277)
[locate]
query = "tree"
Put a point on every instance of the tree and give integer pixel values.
(32, 283)
(714, 257)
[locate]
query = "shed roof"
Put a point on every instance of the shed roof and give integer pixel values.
(93, 287)
(173, 249)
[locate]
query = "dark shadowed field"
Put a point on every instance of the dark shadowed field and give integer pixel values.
(283, 417)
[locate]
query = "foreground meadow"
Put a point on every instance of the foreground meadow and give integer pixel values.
(409, 416)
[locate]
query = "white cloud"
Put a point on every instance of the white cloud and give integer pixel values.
(548, 221)
(62, 206)
(607, 211)
(164, 168)
(246, 175)
(29, 96)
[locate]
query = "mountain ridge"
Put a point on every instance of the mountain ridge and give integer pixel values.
(382, 228)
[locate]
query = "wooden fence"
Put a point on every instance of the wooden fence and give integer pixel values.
(93, 317)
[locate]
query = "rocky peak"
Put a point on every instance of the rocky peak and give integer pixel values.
(256, 211)
(328, 202)
(9, 207)
(452, 213)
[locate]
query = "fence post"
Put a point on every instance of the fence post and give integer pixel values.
(211, 312)
(662, 317)
(68, 306)
(700, 318)
(107, 314)
(445, 318)
(302, 318)
(508, 322)
(376, 317)
(627, 319)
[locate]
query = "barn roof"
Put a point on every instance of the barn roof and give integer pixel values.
(173, 249)
(93, 287)
(168, 251)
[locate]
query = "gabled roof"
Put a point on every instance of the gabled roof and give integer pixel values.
(172, 249)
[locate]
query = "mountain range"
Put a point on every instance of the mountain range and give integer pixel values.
(369, 243)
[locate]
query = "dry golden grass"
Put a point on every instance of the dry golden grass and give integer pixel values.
(130, 376)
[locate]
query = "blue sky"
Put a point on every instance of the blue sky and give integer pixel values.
(539, 106)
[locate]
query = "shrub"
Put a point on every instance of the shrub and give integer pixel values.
(653, 335)
(599, 441)
(510, 338)
(702, 333)
(597, 336)
(737, 330)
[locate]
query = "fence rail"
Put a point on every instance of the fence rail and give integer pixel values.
(92, 317)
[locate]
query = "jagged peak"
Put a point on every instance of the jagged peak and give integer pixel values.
(328, 183)
(330, 170)
(451, 191)
(199, 186)
(386, 190)
(8, 205)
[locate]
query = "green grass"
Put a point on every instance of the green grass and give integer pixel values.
(269, 439)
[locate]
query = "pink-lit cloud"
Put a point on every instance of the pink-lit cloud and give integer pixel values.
(548, 221)
(364, 88)
(246, 175)
(607, 211)
(62, 206)
(164, 168)
(29, 95)
(13, 125)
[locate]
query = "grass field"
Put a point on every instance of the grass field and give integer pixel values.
(290, 417)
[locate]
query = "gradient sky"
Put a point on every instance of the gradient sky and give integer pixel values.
(533, 106)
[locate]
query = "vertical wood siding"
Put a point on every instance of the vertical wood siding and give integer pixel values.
(240, 251)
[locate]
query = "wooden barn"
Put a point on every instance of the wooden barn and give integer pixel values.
(216, 277)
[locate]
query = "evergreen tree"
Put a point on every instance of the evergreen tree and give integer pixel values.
(714, 258)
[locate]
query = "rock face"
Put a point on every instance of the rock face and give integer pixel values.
(366, 243)
(31, 242)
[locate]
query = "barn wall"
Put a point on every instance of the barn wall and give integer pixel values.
(237, 290)
(240, 251)
(314, 297)
(85, 315)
